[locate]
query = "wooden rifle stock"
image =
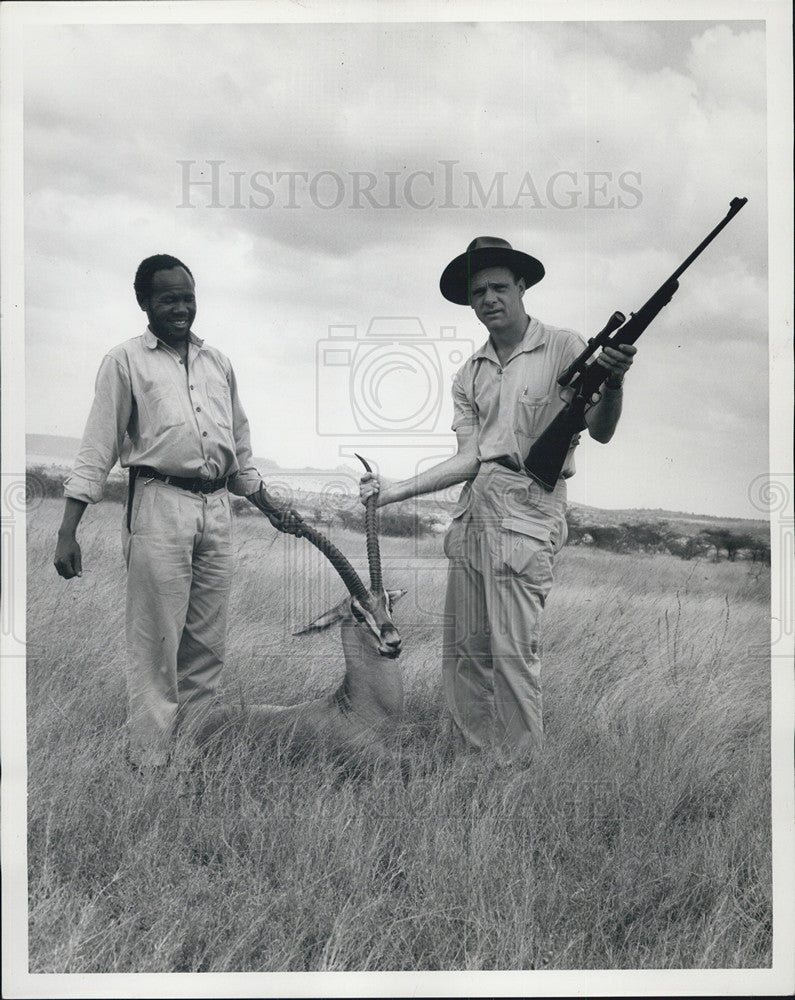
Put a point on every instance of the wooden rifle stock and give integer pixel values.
(584, 378)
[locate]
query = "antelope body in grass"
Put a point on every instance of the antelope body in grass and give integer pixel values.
(364, 709)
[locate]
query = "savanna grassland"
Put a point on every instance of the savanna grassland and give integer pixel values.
(639, 837)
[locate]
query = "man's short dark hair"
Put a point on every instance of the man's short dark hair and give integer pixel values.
(147, 269)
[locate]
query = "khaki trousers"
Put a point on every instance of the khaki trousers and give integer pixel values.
(501, 549)
(179, 568)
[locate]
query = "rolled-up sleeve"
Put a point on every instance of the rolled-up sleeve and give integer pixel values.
(105, 429)
(573, 346)
(463, 411)
(247, 479)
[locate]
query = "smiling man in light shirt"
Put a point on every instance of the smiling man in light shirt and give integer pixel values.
(507, 530)
(166, 406)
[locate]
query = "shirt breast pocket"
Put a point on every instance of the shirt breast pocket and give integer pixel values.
(221, 402)
(529, 415)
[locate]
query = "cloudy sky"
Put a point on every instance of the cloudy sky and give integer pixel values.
(317, 178)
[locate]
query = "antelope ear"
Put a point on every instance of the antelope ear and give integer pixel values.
(329, 618)
(395, 595)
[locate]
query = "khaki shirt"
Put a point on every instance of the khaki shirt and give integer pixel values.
(511, 404)
(148, 411)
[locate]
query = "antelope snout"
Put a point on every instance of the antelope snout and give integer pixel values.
(390, 642)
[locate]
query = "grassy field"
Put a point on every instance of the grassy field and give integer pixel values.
(639, 838)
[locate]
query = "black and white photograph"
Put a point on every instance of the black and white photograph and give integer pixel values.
(397, 499)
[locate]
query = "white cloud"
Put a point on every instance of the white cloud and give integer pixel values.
(728, 63)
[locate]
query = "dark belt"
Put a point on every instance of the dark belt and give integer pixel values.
(506, 463)
(184, 482)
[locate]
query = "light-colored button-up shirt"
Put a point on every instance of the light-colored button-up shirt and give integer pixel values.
(152, 409)
(512, 403)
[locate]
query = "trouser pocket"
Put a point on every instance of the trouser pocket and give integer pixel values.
(454, 539)
(139, 494)
(526, 550)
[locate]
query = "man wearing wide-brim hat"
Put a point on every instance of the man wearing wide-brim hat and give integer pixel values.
(507, 529)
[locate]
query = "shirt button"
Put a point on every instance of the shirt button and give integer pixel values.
(181, 361)
(204, 434)
(198, 409)
(191, 387)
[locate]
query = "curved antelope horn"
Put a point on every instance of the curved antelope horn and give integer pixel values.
(371, 532)
(349, 576)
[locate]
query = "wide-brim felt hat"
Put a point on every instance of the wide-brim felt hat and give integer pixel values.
(483, 252)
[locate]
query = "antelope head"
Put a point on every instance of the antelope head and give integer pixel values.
(369, 607)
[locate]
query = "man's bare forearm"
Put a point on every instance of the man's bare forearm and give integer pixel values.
(68, 559)
(72, 514)
(457, 469)
(602, 419)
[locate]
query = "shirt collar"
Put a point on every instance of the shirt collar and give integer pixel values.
(533, 338)
(151, 341)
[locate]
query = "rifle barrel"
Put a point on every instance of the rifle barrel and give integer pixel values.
(734, 207)
(667, 288)
(547, 454)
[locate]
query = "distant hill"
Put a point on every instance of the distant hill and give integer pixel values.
(657, 514)
(60, 451)
(642, 515)
(50, 449)
(316, 484)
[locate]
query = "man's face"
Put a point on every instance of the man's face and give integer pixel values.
(171, 306)
(496, 297)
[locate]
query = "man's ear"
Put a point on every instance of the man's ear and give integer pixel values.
(143, 304)
(522, 285)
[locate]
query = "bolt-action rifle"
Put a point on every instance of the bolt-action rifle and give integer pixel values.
(584, 378)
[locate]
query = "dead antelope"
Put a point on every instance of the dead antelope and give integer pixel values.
(365, 707)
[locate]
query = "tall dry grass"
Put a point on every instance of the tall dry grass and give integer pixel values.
(638, 838)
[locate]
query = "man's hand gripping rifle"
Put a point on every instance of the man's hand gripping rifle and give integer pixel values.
(584, 378)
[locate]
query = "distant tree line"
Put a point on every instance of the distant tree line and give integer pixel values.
(407, 521)
(662, 536)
